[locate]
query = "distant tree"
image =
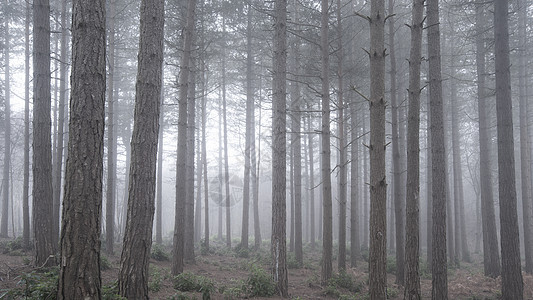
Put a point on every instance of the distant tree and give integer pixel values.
(42, 144)
(80, 231)
(134, 261)
(412, 227)
(378, 184)
(311, 181)
(512, 282)
(7, 126)
(355, 239)
(26, 167)
(438, 174)
(111, 140)
(278, 247)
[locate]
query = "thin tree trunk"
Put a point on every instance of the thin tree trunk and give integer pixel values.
(26, 167)
(512, 283)
(255, 165)
(227, 203)
(220, 166)
(439, 185)
(7, 128)
(204, 153)
(429, 192)
(189, 190)
(80, 232)
(525, 154)
(355, 243)
(181, 186)
(111, 140)
(412, 228)
(159, 187)
(311, 180)
(278, 240)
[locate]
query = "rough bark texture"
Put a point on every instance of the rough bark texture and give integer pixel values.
(355, 239)
(429, 193)
(42, 144)
(438, 174)
(183, 81)
(311, 182)
(327, 214)
(189, 189)
(525, 154)
(378, 183)
(278, 245)
(412, 199)
(111, 140)
(512, 283)
(134, 261)
(26, 167)
(159, 187)
(82, 205)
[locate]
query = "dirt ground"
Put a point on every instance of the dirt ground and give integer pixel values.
(227, 271)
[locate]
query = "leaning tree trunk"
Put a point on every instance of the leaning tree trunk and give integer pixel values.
(512, 283)
(134, 261)
(82, 205)
(378, 182)
(412, 228)
(278, 247)
(42, 144)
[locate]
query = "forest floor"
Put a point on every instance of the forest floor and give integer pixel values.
(234, 274)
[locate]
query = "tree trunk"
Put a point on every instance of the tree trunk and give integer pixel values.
(355, 240)
(311, 180)
(111, 140)
(181, 186)
(279, 111)
(398, 197)
(189, 190)
(7, 129)
(80, 232)
(525, 154)
(438, 174)
(26, 167)
(255, 165)
(342, 146)
(429, 192)
(412, 228)
(512, 284)
(327, 241)
(378, 184)
(159, 187)
(42, 144)
(204, 155)
(134, 261)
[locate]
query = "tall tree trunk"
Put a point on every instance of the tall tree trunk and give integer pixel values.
(366, 220)
(80, 232)
(204, 152)
(412, 228)
(327, 241)
(111, 140)
(398, 196)
(159, 187)
(278, 246)
(525, 154)
(311, 180)
(429, 192)
(512, 284)
(134, 261)
(438, 174)
(26, 167)
(378, 184)
(220, 177)
(255, 165)
(248, 134)
(181, 186)
(198, 200)
(342, 145)
(7, 128)
(189, 190)
(355, 240)
(42, 144)
(227, 202)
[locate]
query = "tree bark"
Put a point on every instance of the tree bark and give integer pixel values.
(327, 241)
(512, 283)
(311, 181)
(159, 187)
(42, 144)
(26, 167)
(7, 128)
(278, 246)
(439, 186)
(80, 232)
(378, 183)
(412, 228)
(355, 239)
(181, 186)
(189, 190)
